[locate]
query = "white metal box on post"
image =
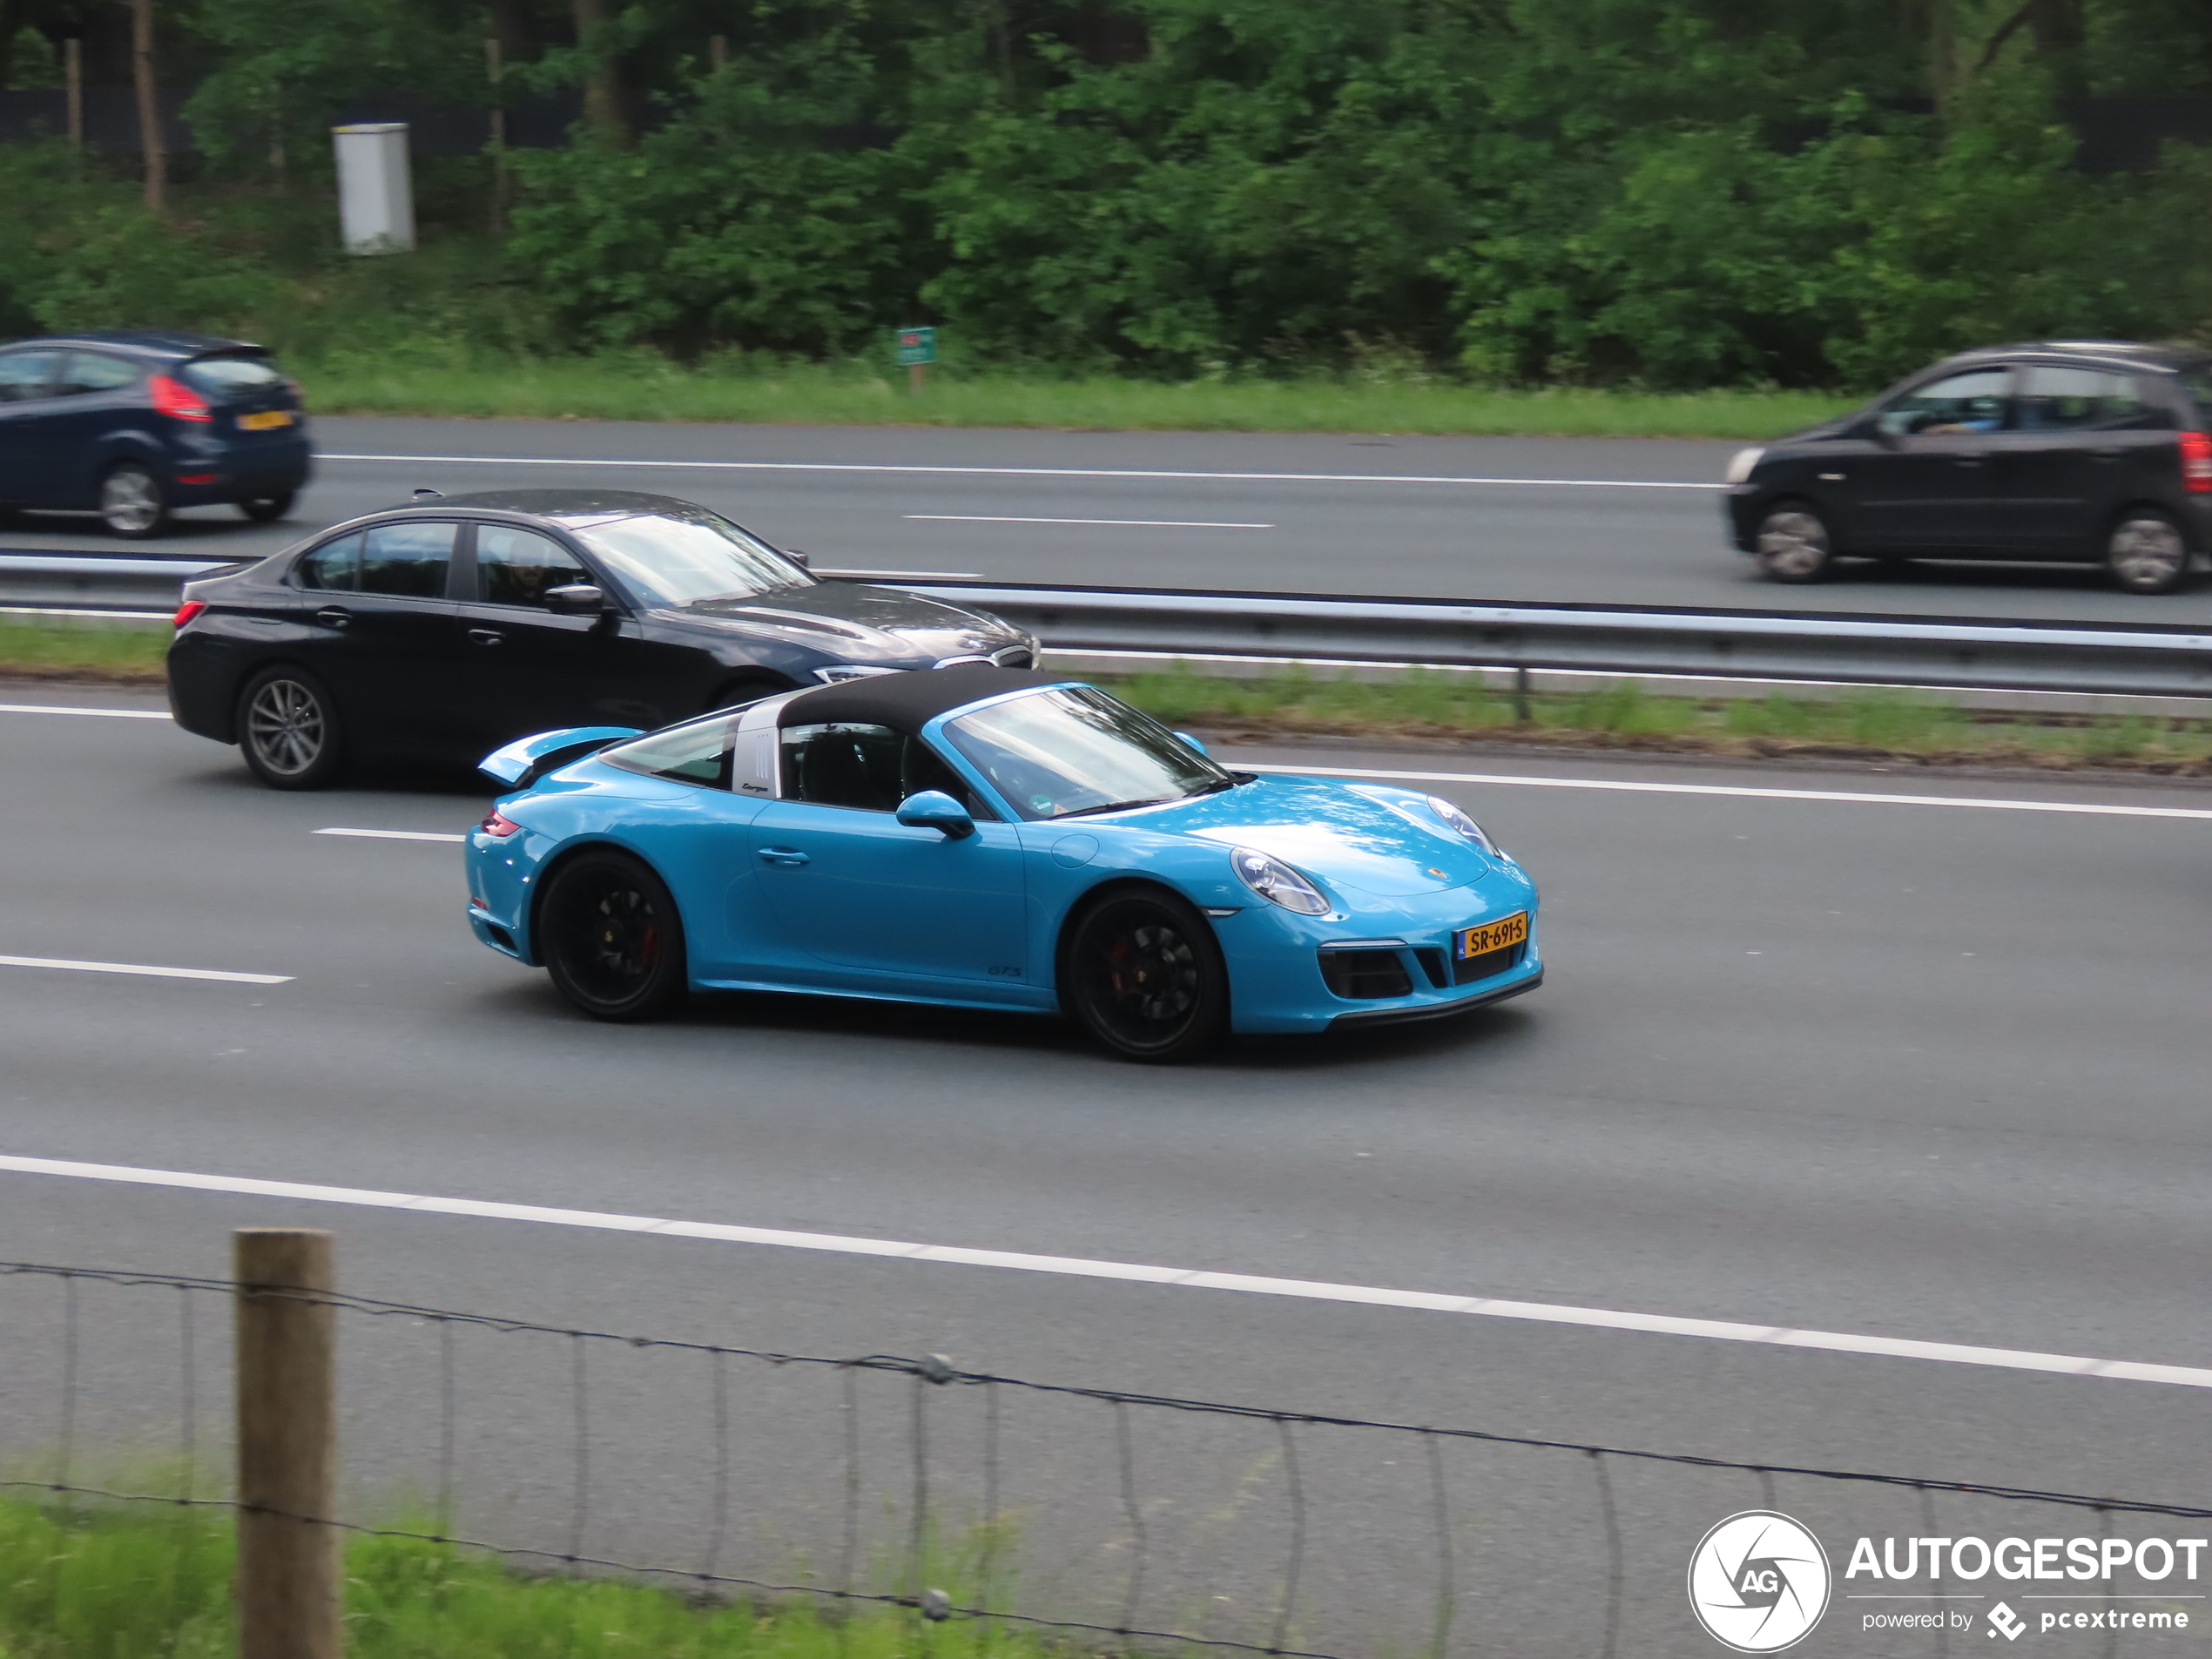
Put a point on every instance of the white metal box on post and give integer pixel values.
(375, 193)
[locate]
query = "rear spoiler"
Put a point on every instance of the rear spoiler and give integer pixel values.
(522, 762)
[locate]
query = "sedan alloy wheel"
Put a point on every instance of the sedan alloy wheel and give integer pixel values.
(289, 731)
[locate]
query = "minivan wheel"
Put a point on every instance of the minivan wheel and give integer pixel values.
(1794, 544)
(2147, 552)
(608, 934)
(263, 509)
(287, 730)
(131, 503)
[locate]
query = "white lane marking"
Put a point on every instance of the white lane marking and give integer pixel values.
(64, 611)
(1086, 1267)
(396, 835)
(1029, 472)
(1131, 523)
(2081, 807)
(64, 708)
(151, 973)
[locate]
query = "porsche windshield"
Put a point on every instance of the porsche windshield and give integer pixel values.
(670, 562)
(1065, 753)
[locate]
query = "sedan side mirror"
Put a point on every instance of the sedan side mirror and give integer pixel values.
(579, 599)
(934, 809)
(1193, 742)
(804, 561)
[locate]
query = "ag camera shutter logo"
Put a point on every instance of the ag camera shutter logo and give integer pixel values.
(1758, 1583)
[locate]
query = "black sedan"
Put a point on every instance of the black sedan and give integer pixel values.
(2079, 452)
(133, 425)
(440, 629)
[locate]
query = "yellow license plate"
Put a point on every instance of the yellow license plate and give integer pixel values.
(265, 421)
(1492, 935)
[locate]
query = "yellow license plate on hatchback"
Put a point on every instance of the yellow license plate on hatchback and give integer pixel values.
(266, 421)
(1501, 934)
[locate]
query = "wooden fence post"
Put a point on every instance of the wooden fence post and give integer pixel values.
(287, 1445)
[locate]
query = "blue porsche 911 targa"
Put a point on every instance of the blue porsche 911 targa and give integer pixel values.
(989, 838)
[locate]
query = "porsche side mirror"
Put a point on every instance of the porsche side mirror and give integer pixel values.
(1194, 743)
(934, 809)
(579, 599)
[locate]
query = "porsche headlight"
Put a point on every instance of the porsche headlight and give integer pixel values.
(1278, 883)
(1739, 469)
(1455, 820)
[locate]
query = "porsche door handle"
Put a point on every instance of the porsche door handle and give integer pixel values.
(790, 855)
(332, 616)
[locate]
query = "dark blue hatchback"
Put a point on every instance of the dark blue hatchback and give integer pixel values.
(135, 425)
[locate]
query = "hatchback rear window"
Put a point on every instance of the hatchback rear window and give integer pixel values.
(231, 376)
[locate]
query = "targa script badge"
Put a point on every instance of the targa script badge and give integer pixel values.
(1758, 1583)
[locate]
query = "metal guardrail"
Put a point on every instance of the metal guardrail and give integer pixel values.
(1959, 653)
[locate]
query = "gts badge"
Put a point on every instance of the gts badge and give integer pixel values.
(1005, 973)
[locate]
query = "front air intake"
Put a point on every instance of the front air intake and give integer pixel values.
(1366, 975)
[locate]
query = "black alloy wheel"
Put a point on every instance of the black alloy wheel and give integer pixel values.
(608, 934)
(266, 509)
(1143, 976)
(1794, 544)
(133, 503)
(2147, 552)
(287, 729)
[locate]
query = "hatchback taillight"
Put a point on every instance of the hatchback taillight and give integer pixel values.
(178, 401)
(2197, 463)
(498, 824)
(186, 611)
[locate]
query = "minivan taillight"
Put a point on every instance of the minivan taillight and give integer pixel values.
(186, 611)
(2197, 463)
(178, 401)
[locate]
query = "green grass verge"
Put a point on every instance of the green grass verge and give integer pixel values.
(1871, 725)
(1428, 705)
(81, 648)
(644, 387)
(135, 1582)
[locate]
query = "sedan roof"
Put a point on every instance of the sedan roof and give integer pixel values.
(910, 700)
(560, 503)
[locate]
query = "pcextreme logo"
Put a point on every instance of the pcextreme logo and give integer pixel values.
(1758, 1583)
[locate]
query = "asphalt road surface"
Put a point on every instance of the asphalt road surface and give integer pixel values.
(1505, 519)
(1902, 1070)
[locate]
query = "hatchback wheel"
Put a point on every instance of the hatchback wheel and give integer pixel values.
(131, 503)
(263, 509)
(1794, 544)
(610, 935)
(1143, 976)
(287, 729)
(2147, 552)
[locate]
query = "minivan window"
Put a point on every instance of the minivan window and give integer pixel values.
(231, 376)
(1973, 402)
(2057, 398)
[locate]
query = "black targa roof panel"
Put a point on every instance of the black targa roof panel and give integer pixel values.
(911, 700)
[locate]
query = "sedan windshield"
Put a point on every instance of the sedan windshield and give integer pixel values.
(670, 562)
(1065, 753)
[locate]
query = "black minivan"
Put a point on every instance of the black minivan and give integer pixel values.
(2088, 452)
(135, 425)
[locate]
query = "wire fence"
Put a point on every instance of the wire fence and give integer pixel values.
(1118, 1520)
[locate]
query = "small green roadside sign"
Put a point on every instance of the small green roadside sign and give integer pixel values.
(917, 346)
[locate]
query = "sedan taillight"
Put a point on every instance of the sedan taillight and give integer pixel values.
(2197, 463)
(186, 611)
(498, 824)
(178, 401)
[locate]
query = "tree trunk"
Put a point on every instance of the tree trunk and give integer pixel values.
(2060, 31)
(602, 111)
(151, 145)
